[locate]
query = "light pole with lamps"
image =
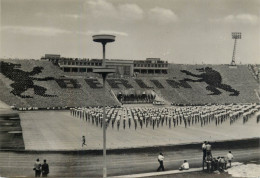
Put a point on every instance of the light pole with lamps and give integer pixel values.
(104, 71)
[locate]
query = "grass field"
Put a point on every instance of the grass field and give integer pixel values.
(57, 130)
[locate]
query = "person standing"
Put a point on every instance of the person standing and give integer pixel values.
(204, 149)
(160, 160)
(208, 149)
(45, 169)
(37, 168)
(83, 141)
(230, 157)
(204, 153)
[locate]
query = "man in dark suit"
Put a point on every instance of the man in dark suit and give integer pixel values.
(45, 169)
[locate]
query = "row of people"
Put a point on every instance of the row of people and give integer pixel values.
(169, 116)
(41, 169)
(219, 163)
(213, 164)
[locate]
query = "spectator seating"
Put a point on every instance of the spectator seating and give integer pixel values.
(116, 83)
(157, 83)
(255, 69)
(40, 84)
(47, 87)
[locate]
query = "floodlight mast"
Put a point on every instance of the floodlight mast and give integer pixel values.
(104, 39)
(235, 35)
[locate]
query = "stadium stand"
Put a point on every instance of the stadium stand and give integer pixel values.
(157, 83)
(44, 85)
(239, 83)
(255, 71)
(40, 84)
(115, 83)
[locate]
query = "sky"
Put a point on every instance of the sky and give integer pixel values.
(179, 31)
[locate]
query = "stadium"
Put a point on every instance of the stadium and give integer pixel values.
(177, 87)
(183, 105)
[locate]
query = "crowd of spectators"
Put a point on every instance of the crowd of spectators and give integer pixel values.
(31, 84)
(157, 83)
(237, 85)
(40, 84)
(255, 70)
(115, 83)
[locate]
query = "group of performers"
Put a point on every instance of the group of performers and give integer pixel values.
(169, 116)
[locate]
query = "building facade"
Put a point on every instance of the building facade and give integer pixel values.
(151, 66)
(123, 67)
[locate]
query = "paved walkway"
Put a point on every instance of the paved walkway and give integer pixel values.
(165, 173)
(88, 165)
(159, 173)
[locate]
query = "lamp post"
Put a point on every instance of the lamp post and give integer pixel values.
(104, 39)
